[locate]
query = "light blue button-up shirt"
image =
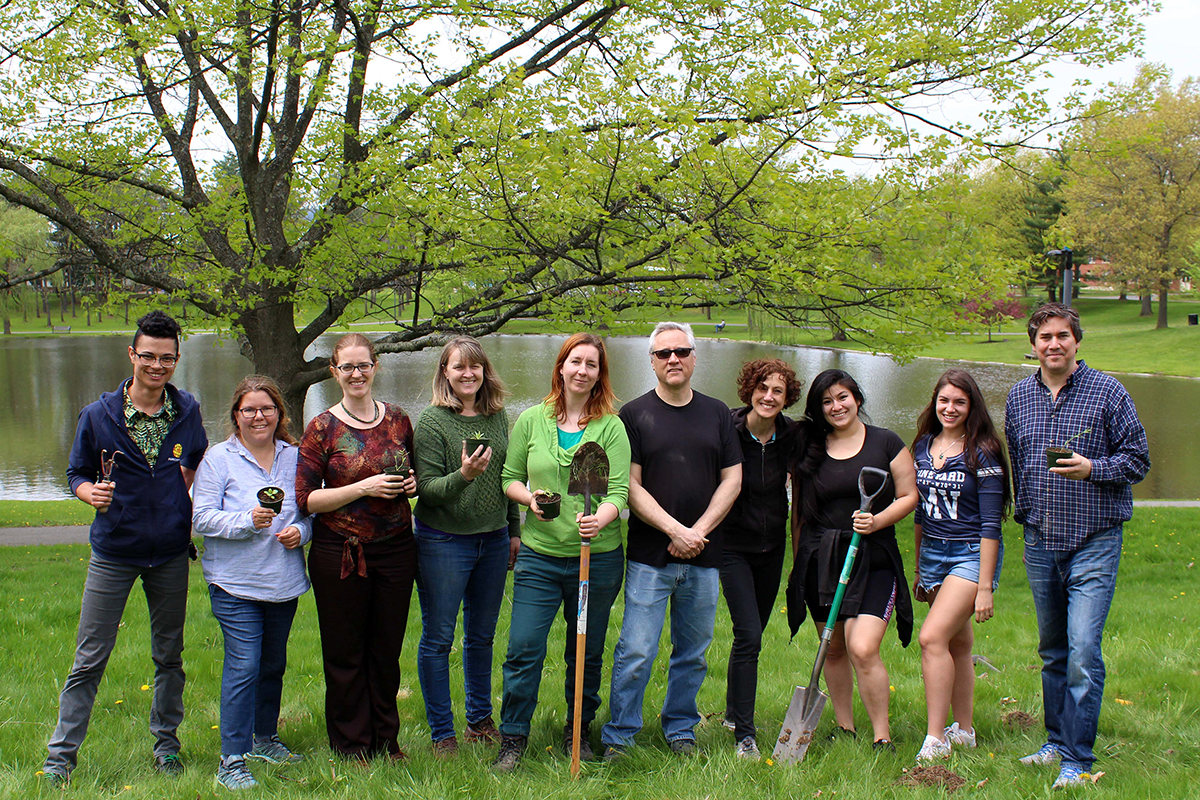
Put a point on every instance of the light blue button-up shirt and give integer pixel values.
(246, 562)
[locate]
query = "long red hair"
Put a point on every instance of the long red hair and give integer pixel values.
(602, 399)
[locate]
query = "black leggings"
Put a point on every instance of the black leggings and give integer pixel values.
(751, 583)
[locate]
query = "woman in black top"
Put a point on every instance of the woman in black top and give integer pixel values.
(837, 444)
(756, 532)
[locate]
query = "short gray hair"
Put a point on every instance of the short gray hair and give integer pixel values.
(672, 326)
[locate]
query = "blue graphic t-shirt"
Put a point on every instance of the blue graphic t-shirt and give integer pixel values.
(957, 502)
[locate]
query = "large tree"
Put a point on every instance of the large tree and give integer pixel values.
(1135, 184)
(502, 158)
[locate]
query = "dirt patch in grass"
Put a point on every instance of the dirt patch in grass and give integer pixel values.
(935, 775)
(1018, 720)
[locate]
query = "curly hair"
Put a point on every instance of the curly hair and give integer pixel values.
(157, 325)
(756, 372)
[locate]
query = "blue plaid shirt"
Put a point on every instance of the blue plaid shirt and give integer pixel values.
(1065, 512)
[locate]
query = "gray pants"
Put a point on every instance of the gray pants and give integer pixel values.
(108, 586)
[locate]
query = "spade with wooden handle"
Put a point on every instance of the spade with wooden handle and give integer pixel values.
(589, 477)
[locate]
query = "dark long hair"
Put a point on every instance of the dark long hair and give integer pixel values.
(979, 430)
(810, 449)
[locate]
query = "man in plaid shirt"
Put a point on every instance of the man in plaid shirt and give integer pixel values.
(1072, 514)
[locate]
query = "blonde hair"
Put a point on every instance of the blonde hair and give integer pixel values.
(491, 394)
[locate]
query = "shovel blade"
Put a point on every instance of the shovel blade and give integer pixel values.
(589, 470)
(799, 727)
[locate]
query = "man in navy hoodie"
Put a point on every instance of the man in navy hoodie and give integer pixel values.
(142, 530)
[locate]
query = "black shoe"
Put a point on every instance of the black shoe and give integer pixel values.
(613, 753)
(585, 744)
(883, 746)
(683, 747)
(511, 750)
(839, 732)
(169, 764)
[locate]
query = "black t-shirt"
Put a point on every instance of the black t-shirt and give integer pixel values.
(681, 451)
(837, 488)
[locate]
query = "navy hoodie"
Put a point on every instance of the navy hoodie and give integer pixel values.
(150, 519)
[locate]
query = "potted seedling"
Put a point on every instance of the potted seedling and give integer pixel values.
(1057, 454)
(400, 464)
(476, 441)
(271, 497)
(550, 503)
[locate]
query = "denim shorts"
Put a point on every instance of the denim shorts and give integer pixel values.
(941, 558)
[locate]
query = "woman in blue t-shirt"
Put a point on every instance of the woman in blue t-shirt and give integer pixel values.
(962, 479)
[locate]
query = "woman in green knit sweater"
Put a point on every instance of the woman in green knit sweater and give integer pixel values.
(467, 534)
(578, 409)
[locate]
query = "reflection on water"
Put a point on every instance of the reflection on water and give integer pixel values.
(47, 381)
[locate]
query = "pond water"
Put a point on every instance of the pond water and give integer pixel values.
(47, 381)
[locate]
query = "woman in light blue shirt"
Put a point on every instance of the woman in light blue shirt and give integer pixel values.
(254, 566)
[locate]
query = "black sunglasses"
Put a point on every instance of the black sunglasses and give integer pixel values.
(679, 352)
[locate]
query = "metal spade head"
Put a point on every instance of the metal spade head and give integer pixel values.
(589, 471)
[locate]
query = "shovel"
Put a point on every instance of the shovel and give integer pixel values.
(804, 712)
(589, 476)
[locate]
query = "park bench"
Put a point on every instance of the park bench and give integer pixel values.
(62, 328)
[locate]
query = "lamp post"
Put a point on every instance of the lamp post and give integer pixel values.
(1066, 268)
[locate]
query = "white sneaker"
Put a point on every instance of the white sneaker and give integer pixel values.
(1047, 754)
(748, 749)
(956, 735)
(934, 749)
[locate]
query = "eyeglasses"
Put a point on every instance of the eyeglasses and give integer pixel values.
(249, 414)
(149, 359)
(678, 352)
(349, 369)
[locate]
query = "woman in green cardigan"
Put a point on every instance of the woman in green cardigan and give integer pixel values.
(467, 534)
(578, 409)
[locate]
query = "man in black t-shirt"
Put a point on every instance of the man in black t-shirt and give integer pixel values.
(685, 475)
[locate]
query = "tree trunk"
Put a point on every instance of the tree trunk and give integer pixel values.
(7, 326)
(1163, 288)
(276, 352)
(1051, 291)
(1145, 297)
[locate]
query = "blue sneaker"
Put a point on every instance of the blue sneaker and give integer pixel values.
(1072, 775)
(273, 751)
(1047, 755)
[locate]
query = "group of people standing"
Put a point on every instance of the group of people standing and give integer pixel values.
(707, 489)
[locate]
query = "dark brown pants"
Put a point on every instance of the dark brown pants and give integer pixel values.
(362, 624)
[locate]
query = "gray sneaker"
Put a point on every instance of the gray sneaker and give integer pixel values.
(1046, 755)
(748, 749)
(233, 775)
(273, 751)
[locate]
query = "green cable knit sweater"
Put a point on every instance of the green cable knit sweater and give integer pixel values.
(446, 500)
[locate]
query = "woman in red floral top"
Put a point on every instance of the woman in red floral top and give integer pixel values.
(363, 557)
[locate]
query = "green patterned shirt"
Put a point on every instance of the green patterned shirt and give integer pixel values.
(149, 430)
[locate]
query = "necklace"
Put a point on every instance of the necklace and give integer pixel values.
(941, 454)
(350, 414)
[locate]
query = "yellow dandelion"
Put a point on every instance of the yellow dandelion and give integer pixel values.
(120, 701)
(145, 687)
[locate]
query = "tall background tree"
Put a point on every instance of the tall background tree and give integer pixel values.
(1135, 182)
(510, 158)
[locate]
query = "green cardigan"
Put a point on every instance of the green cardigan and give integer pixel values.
(446, 500)
(534, 458)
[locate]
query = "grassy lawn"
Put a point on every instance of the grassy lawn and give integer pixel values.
(1149, 741)
(38, 513)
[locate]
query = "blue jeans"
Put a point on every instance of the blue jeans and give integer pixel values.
(1072, 592)
(541, 585)
(256, 636)
(692, 592)
(458, 570)
(104, 596)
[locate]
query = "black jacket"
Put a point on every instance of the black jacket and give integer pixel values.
(758, 521)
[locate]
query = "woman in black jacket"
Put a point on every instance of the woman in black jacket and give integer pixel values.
(756, 532)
